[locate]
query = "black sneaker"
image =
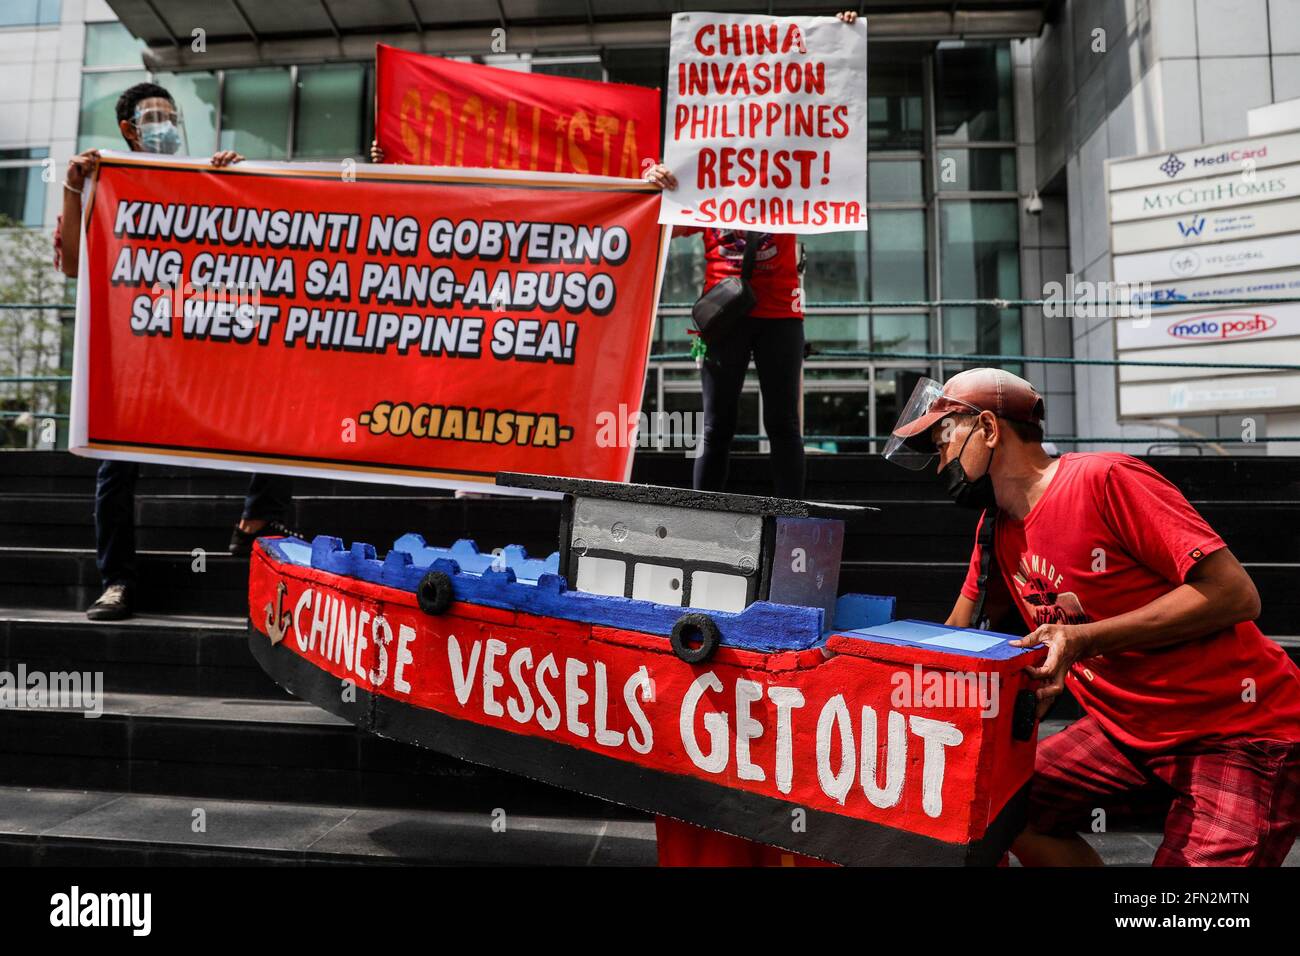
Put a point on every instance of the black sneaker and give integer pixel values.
(113, 605)
(241, 542)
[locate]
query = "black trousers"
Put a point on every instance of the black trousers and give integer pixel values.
(267, 500)
(777, 348)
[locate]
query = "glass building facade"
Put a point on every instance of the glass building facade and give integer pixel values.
(941, 172)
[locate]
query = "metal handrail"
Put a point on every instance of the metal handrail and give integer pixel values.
(1005, 359)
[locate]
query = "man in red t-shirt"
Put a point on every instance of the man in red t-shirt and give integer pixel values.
(1147, 618)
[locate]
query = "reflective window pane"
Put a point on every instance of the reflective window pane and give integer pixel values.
(22, 196)
(837, 332)
(29, 13)
(894, 181)
(897, 239)
(973, 90)
(99, 93)
(196, 98)
(24, 152)
(895, 115)
(980, 249)
(331, 105)
(255, 115)
(835, 269)
(895, 332)
(976, 170)
(111, 44)
(640, 66)
(985, 330)
(837, 413)
(671, 335)
(580, 69)
(684, 274)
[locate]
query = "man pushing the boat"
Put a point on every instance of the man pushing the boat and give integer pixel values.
(1148, 619)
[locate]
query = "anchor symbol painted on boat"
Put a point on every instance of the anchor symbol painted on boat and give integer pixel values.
(278, 620)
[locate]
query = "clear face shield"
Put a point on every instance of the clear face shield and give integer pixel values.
(161, 130)
(910, 444)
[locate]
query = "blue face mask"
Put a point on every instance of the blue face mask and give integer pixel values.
(162, 138)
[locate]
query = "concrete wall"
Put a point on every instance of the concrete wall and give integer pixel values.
(40, 88)
(1044, 252)
(1173, 74)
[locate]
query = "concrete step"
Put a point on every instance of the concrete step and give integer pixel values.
(73, 827)
(172, 654)
(831, 477)
(170, 581)
(244, 749)
(185, 522)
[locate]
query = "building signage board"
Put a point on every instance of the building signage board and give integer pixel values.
(1199, 228)
(1239, 188)
(1210, 396)
(1208, 327)
(1224, 258)
(1159, 169)
(1216, 222)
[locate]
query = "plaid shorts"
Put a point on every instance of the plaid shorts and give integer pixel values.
(1232, 802)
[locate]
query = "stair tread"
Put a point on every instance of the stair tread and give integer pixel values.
(43, 615)
(321, 830)
(196, 707)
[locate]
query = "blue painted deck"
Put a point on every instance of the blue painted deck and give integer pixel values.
(511, 580)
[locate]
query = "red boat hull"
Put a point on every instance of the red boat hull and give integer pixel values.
(834, 753)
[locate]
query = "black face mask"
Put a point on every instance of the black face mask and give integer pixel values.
(967, 493)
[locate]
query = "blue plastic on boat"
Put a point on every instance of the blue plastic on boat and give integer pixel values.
(511, 580)
(466, 554)
(963, 640)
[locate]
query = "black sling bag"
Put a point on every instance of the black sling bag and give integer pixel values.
(719, 310)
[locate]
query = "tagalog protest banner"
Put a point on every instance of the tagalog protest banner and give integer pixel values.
(767, 123)
(412, 325)
(434, 111)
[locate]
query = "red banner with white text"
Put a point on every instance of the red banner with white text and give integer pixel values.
(432, 111)
(375, 323)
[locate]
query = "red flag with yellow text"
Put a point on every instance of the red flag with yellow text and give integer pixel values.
(436, 112)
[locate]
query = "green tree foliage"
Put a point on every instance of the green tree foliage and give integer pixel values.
(31, 340)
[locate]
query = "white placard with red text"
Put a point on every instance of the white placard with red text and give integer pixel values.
(767, 123)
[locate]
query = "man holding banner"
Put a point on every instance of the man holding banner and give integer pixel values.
(150, 123)
(432, 327)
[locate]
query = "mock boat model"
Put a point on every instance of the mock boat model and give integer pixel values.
(683, 652)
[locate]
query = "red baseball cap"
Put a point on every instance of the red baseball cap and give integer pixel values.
(966, 393)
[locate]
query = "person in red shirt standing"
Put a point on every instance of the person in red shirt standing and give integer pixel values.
(1147, 618)
(772, 334)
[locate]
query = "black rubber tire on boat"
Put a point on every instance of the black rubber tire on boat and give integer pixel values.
(690, 624)
(434, 593)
